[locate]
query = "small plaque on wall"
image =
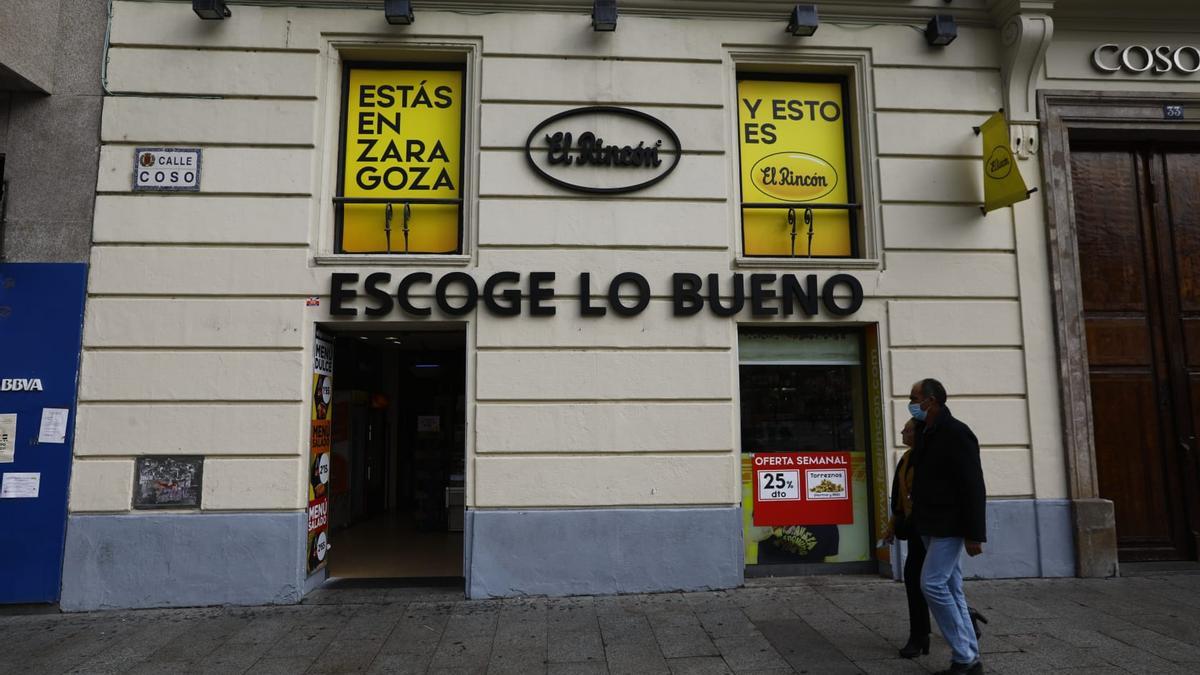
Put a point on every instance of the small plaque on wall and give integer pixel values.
(168, 482)
(166, 170)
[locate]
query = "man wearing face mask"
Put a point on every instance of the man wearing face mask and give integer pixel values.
(949, 499)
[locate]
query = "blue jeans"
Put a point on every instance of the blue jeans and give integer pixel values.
(941, 580)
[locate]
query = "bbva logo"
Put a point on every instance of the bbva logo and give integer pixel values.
(21, 384)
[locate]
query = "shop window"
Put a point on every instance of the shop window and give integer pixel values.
(796, 168)
(805, 415)
(400, 186)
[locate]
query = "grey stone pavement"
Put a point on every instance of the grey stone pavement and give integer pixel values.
(1144, 624)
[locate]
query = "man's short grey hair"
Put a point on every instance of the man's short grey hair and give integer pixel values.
(933, 389)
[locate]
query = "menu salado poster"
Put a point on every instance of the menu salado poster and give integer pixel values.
(318, 481)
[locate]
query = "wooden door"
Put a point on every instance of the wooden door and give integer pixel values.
(1138, 242)
(1180, 208)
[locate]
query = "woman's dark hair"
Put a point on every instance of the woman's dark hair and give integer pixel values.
(934, 390)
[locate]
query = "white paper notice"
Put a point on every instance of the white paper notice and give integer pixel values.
(8, 437)
(20, 485)
(54, 425)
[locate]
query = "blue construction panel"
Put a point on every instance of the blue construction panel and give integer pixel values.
(41, 327)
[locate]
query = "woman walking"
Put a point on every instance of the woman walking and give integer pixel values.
(900, 527)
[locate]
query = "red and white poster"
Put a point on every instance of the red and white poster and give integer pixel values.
(802, 488)
(320, 443)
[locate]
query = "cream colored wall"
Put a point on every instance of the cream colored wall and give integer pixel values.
(197, 335)
(1069, 61)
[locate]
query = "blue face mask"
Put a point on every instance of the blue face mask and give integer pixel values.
(914, 409)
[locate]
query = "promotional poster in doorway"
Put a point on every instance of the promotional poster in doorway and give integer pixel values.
(806, 507)
(318, 470)
(811, 487)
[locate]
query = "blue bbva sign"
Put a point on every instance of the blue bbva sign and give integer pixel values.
(41, 325)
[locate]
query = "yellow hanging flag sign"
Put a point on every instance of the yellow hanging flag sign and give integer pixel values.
(1002, 182)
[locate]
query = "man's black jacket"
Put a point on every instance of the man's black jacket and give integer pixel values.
(948, 492)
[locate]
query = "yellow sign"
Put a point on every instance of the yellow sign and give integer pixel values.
(402, 140)
(1002, 182)
(792, 142)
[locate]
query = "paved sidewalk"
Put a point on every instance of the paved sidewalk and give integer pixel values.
(1147, 624)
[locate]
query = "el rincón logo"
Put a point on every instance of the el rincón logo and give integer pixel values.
(999, 162)
(794, 176)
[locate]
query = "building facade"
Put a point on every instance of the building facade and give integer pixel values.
(51, 92)
(501, 294)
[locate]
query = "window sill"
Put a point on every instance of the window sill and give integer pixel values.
(393, 260)
(808, 263)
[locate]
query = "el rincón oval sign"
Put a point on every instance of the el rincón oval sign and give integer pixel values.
(603, 149)
(794, 176)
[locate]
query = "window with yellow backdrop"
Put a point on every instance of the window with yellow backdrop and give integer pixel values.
(402, 141)
(792, 143)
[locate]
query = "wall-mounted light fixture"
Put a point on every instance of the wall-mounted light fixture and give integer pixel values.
(941, 30)
(604, 15)
(211, 10)
(398, 12)
(803, 21)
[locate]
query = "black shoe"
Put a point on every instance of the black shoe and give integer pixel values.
(976, 619)
(916, 645)
(963, 668)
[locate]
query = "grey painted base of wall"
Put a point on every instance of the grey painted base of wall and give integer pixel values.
(602, 551)
(1026, 538)
(179, 560)
(314, 581)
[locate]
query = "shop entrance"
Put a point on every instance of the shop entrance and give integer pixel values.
(1138, 233)
(397, 460)
(806, 468)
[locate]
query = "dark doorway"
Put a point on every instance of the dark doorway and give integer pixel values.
(397, 470)
(1139, 256)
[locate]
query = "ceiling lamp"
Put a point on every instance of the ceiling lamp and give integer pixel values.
(803, 21)
(604, 15)
(398, 12)
(211, 10)
(941, 30)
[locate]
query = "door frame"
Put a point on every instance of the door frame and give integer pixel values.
(1092, 115)
(333, 328)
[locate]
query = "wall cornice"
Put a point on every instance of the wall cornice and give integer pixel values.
(966, 12)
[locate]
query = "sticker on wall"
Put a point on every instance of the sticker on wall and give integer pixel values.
(20, 485)
(54, 425)
(8, 437)
(168, 482)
